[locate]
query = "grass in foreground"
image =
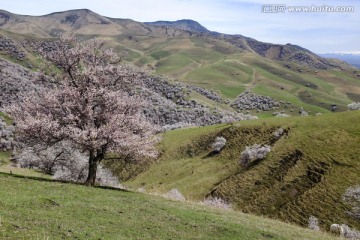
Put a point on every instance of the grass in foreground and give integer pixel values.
(40, 209)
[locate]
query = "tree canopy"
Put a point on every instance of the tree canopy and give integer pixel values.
(89, 98)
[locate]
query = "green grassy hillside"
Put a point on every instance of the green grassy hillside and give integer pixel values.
(218, 65)
(305, 174)
(40, 209)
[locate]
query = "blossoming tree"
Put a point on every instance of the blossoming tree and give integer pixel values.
(88, 98)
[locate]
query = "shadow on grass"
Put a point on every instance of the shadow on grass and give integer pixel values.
(211, 154)
(59, 181)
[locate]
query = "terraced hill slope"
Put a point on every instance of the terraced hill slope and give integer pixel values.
(305, 174)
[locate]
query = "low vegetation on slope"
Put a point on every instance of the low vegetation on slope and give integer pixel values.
(306, 173)
(40, 209)
(217, 65)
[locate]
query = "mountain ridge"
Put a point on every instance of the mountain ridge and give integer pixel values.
(351, 58)
(86, 22)
(220, 64)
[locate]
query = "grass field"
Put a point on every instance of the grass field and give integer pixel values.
(303, 175)
(39, 209)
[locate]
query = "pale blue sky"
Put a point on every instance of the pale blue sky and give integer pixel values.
(319, 32)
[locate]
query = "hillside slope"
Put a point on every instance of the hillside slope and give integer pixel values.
(226, 64)
(40, 209)
(351, 58)
(306, 173)
(86, 22)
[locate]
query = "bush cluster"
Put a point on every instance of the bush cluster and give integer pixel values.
(217, 202)
(354, 106)
(352, 197)
(253, 153)
(218, 144)
(64, 163)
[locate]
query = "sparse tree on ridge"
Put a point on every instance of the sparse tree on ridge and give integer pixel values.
(88, 99)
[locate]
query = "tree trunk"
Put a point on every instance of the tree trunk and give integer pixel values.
(93, 162)
(95, 158)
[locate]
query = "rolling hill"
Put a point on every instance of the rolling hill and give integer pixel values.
(203, 72)
(305, 174)
(351, 58)
(187, 52)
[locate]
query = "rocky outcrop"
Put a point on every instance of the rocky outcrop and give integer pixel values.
(4, 17)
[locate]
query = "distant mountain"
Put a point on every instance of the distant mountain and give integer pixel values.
(86, 22)
(287, 53)
(184, 24)
(81, 21)
(277, 52)
(351, 58)
(224, 66)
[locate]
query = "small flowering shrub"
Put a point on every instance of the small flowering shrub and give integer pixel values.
(253, 153)
(354, 106)
(175, 194)
(352, 197)
(279, 133)
(217, 202)
(218, 144)
(313, 223)
(349, 233)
